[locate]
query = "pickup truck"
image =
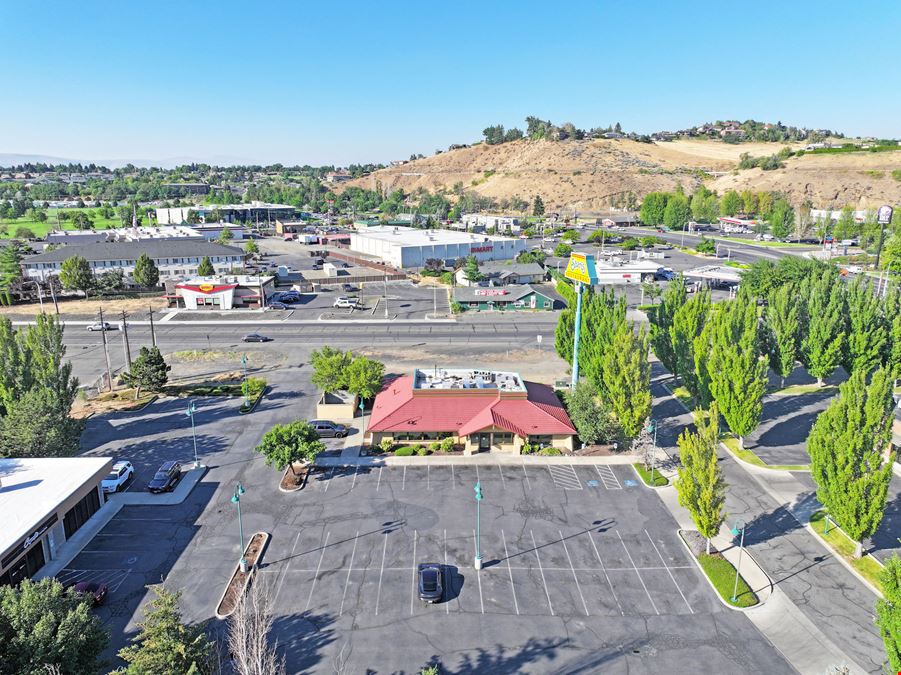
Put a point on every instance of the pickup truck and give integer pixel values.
(351, 303)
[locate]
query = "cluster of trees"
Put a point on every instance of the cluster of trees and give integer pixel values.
(495, 135)
(613, 357)
(770, 133)
(334, 370)
(76, 274)
(37, 390)
(774, 161)
(539, 129)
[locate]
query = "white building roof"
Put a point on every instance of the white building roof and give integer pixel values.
(715, 273)
(642, 266)
(33, 488)
(411, 236)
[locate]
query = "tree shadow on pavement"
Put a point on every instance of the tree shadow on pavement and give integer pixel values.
(767, 526)
(501, 659)
(302, 638)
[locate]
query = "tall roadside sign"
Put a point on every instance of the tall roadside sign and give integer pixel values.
(582, 271)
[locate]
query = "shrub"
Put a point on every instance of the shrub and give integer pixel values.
(447, 278)
(421, 450)
(435, 446)
(706, 246)
(456, 307)
(387, 444)
(253, 387)
(629, 244)
(528, 449)
(405, 451)
(447, 444)
(550, 452)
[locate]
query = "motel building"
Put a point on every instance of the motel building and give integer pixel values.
(484, 411)
(219, 293)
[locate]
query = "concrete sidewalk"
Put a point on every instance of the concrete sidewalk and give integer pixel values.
(481, 459)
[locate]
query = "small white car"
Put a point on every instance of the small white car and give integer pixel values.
(343, 301)
(116, 479)
(100, 326)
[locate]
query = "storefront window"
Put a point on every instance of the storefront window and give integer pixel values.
(503, 438)
(79, 514)
(543, 440)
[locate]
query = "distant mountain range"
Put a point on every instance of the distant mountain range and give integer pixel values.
(13, 159)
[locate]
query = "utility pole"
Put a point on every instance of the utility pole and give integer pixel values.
(109, 368)
(125, 339)
(53, 293)
(152, 331)
(386, 294)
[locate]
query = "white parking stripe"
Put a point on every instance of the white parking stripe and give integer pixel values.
(347, 579)
(575, 578)
(378, 483)
(378, 593)
(678, 588)
(413, 589)
(564, 476)
(538, 558)
(453, 478)
(313, 585)
(447, 602)
(328, 477)
(526, 476)
(611, 482)
(626, 548)
(479, 579)
(606, 576)
(503, 480)
(403, 484)
(509, 570)
(354, 483)
(278, 588)
(428, 474)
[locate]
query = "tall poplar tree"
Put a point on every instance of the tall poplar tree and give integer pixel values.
(846, 447)
(661, 341)
(737, 373)
(888, 612)
(892, 311)
(700, 485)
(782, 325)
(627, 378)
(602, 316)
(688, 323)
(822, 345)
(867, 328)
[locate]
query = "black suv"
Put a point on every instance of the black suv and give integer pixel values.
(166, 477)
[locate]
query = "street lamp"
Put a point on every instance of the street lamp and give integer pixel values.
(478, 561)
(738, 528)
(190, 413)
(236, 499)
(652, 428)
(244, 381)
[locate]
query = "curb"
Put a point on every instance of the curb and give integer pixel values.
(714, 589)
(255, 402)
(848, 566)
(641, 480)
(297, 488)
(250, 573)
(136, 410)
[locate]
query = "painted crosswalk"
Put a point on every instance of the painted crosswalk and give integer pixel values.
(608, 478)
(564, 476)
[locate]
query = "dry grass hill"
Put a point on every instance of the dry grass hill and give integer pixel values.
(586, 175)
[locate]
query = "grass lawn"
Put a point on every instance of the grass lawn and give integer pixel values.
(658, 481)
(722, 575)
(769, 244)
(8, 225)
(684, 396)
(748, 456)
(839, 542)
(737, 265)
(793, 389)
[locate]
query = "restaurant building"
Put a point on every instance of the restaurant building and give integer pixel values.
(225, 292)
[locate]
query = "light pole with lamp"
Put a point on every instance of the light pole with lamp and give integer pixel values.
(738, 528)
(478, 560)
(190, 413)
(244, 381)
(236, 499)
(652, 428)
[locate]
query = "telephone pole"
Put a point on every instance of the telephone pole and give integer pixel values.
(125, 339)
(152, 331)
(109, 368)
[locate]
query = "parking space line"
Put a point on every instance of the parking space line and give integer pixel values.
(403, 484)
(347, 578)
(608, 478)
(678, 588)
(115, 588)
(446, 604)
(413, 588)
(328, 478)
(567, 480)
(278, 588)
(606, 576)
(354, 483)
(503, 480)
(543, 581)
(526, 475)
(575, 578)
(479, 579)
(313, 585)
(453, 478)
(378, 593)
(428, 477)
(626, 549)
(378, 483)
(509, 570)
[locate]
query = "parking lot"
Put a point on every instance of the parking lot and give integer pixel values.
(581, 566)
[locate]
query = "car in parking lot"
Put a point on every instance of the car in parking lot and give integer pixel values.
(664, 274)
(116, 479)
(166, 477)
(348, 288)
(255, 337)
(96, 591)
(328, 429)
(106, 325)
(429, 582)
(277, 304)
(344, 301)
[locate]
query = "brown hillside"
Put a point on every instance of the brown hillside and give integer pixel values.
(584, 175)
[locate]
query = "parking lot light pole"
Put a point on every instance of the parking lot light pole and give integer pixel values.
(236, 499)
(478, 560)
(739, 527)
(244, 381)
(190, 413)
(652, 427)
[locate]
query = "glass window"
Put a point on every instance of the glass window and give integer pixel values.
(79, 514)
(503, 438)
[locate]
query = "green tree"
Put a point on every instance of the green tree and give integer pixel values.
(42, 625)
(205, 268)
(764, 204)
(688, 324)
(846, 227)
(10, 271)
(149, 371)
(627, 378)
(563, 250)
(330, 368)
(285, 444)
(225, 236)
(890, 258)
(471, 270)
(748, 202)
(782, 325)
(824, 341)
(602, 315)
(868, 331)
(677, 212)
(564, 333)
(892, 313)
(700, 486)
(76, 274)
(846, 447)
(44, 352)
(111, 281)
(888, 611)
(364, 377)
(36, 426)
(572, 236)
(737, 373)
(24, 233)
(653, 207)
(707, 246)
(590, 415)
(730, 204)
(661, 340)
(251, 247)
(146, 273)
(82, 221)
(782, 219)
(537, 206)
(165, 644)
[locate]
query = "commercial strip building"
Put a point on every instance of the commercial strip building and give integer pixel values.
(507, 298)
(254, 212)
(501, 223)
(43, 502)
(410, 248)
(504, 273)
(173, 257)
(82, 237)
(483, 411)
(216, 293)
(626, 272)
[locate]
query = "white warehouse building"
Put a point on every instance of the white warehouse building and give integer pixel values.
(408, 247)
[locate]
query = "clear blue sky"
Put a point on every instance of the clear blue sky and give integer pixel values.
(341, 82)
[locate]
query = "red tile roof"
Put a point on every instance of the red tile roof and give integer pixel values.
(397, 409)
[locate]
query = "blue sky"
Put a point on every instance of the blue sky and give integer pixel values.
(341, 82)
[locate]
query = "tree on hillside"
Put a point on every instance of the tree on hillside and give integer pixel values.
(589, 415)
(627, 377)
(661, 340)
(330, 368)
(868, 331)
(494, 134)
(824, 341)
(737, 373)
(537, 206)
(76, 274)
(782, 326)
(165, 644)
(149, 371)
(700, 486)
(146, 273)
(653, 207)
(730, 204)
(846, 446)
(285, 444)
(45, 628)
(677, 212)
(688, 323)
(205, 268)
(364, 377)
(888, 611)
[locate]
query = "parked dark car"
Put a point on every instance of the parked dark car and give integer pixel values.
(429, 582)
(348, 288)
(328, 429)
(278, 304)
(165, 478)
(255, 337)
(95, 590)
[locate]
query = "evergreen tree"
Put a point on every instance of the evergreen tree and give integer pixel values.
(538, 206)
(251, 247)
(737, 373)
(76, 274)
(661, 341)
(627, 378)
(700, 485)
(846, 447)
(10, 271)
(782, 321)
(888, 612)
(149, 371)
(225, 236)
(868, 332)
(822, 345)
(589, 415)
(471, 270)
(146, 273)
(688, 323)
(602, 315)
(205, 268)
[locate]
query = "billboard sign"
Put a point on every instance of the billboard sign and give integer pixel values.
(884, 215)
(581, 268)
